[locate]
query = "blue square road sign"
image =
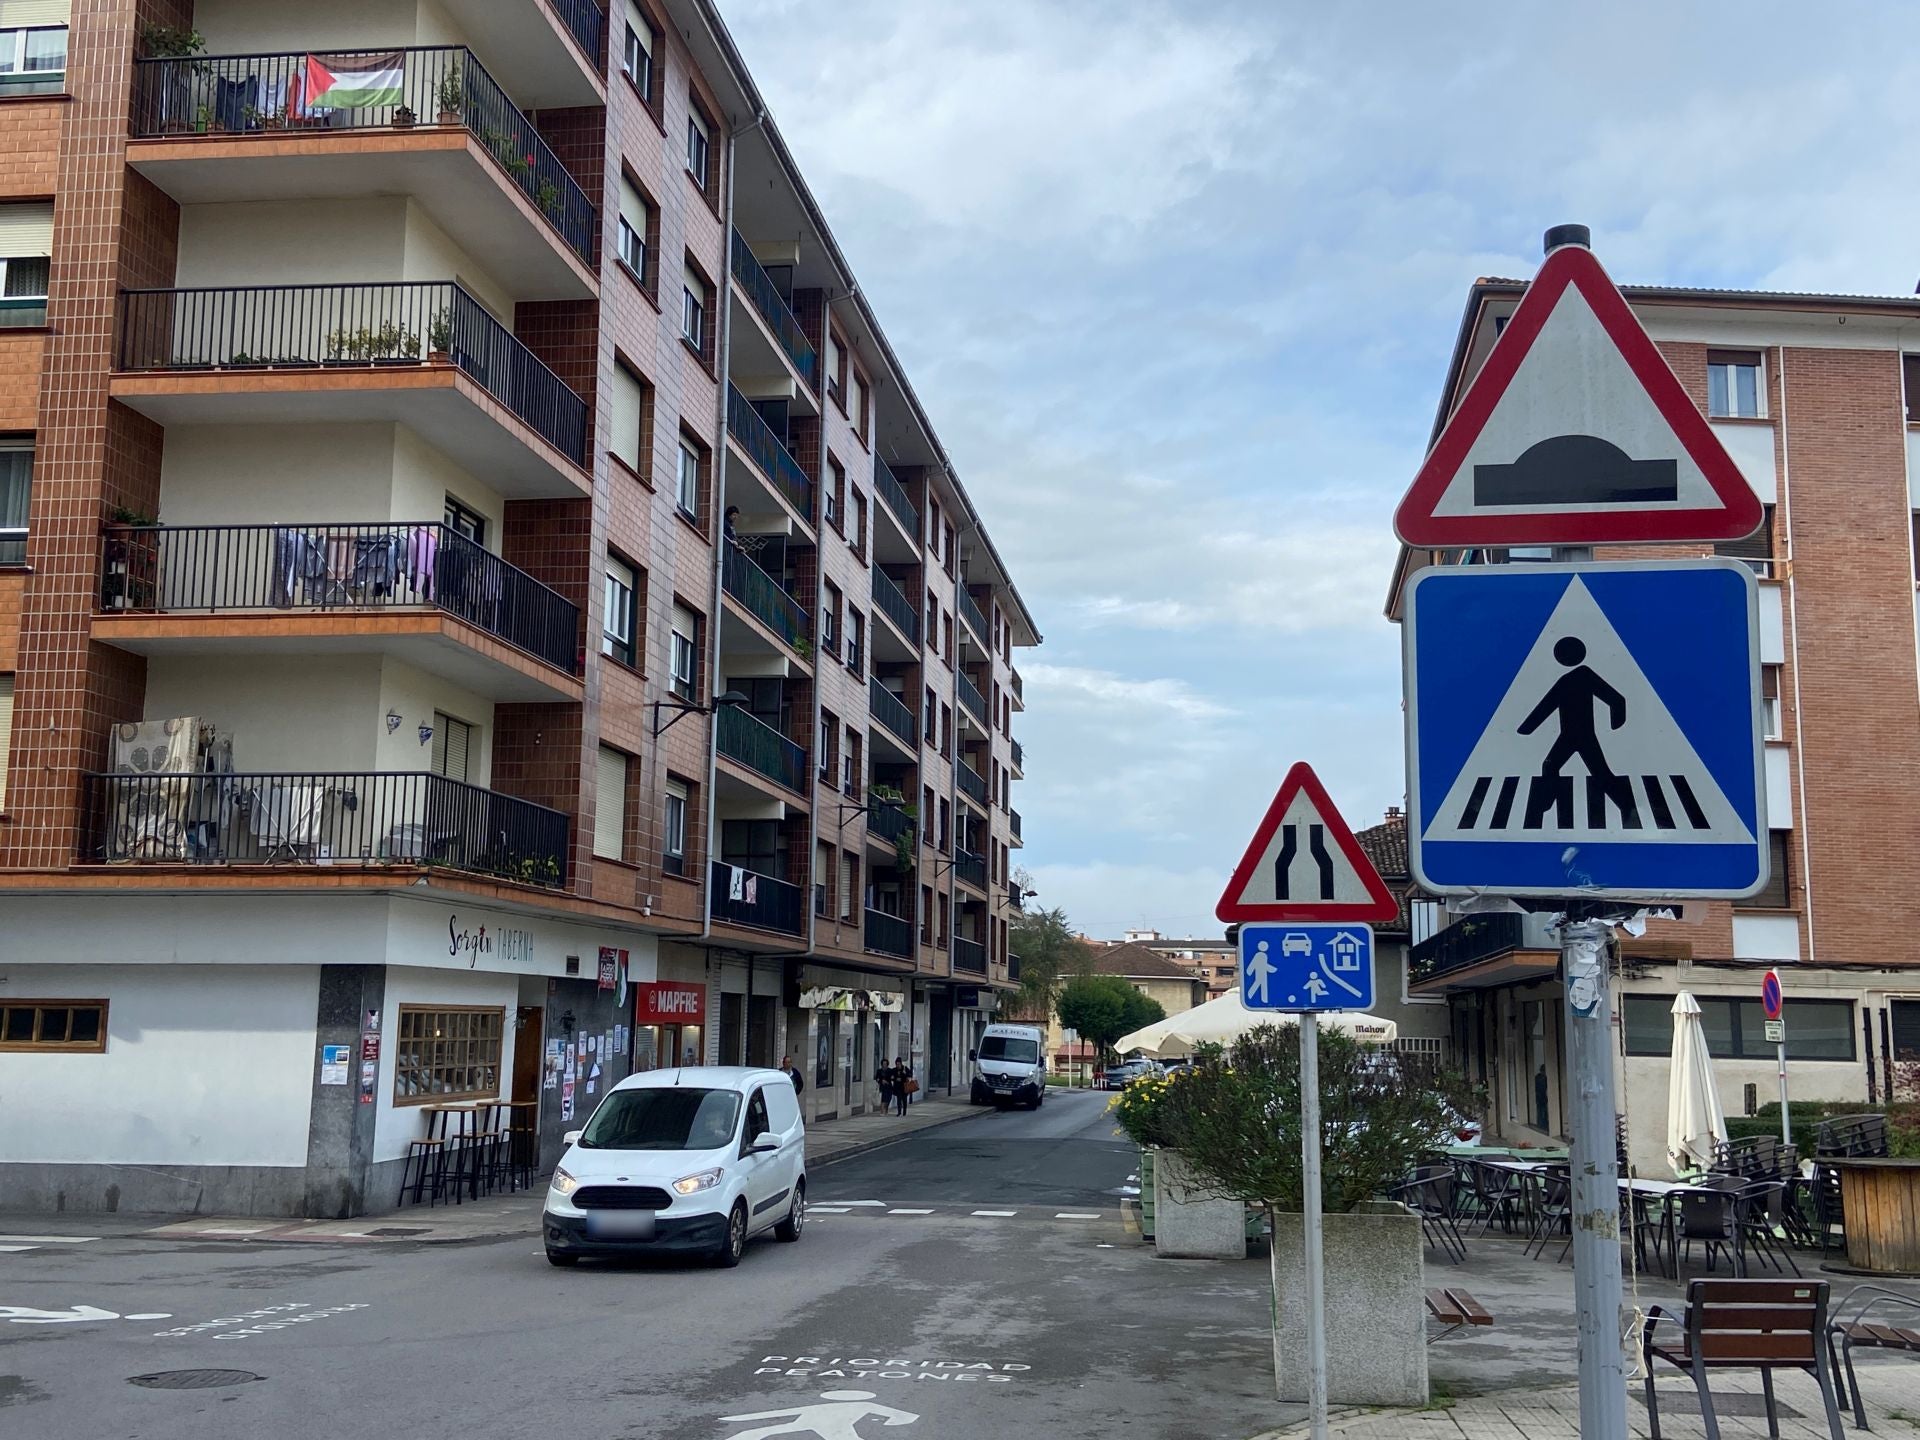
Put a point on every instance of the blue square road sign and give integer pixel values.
(1296, 968)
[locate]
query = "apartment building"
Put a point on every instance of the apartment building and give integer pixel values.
(1212, 958)
(482, 608)
(1817, 398)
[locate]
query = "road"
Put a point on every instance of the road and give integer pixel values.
(976, 1278)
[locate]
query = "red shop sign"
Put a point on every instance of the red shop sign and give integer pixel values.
(663, 1002)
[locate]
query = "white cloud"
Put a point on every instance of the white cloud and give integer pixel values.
(1144, 699)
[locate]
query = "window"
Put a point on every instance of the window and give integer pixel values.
(75, 1025)
(823, 875)
(946, 819)
(946, 540)
(849, 884)
(858, 514)
(926, 815)
(632, 440)
(451, 1053)
(454, 746)
(940, 936)
(833, 497)
(693, 312)
(6, 734)
(926, 914)
(856, 641)
(618, 620)
(933, 525)
(636, 59)
(930, 718)
(836, 368)
(857, 402)
(639, 232)
(1771, 719)
(946, 733)
(699, 147)
(946, 637)
(851, 769)
(829, 747)
(33, 59)
(933, 616)
(830, 621)
(16, 483)
(26, 243)
(1778, 894)
(1910, 378)
(467, 524)
(673, 842)
(1733, 385)
(1736, 1028)
(686, 649)
(687, 489)
(610, 805)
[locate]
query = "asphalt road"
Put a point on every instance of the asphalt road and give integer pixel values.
(921, 1314)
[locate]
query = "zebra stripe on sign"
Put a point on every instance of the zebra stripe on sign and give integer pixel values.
(1556, 797)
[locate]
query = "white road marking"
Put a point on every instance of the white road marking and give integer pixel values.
(877, 1204)
(909, 1212)
(231, 1230)
(997, 1213)
(17, 1249)
(826, 1210)
(1076, 1215)
(47, 1239)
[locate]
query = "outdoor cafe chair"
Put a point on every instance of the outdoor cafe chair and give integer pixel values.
(1429, 1194)
(1759, 1210)
(1552, 1211)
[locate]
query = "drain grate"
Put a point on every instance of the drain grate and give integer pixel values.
(193, 1379)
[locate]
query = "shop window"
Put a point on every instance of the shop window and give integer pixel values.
(451, 1053)
(1736, 1027)
(62, 1025)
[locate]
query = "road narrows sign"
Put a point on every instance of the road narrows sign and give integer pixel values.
(1304, 864)
(1576, 432)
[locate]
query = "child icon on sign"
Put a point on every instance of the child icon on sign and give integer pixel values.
(1260, 968)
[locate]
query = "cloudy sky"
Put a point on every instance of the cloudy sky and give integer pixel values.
(1178, 283)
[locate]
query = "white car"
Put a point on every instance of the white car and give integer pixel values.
(694, 1159)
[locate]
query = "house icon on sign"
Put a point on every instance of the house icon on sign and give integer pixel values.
(1346, 951)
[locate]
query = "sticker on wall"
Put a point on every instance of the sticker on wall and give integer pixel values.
(333, 1064)
(566, 1099)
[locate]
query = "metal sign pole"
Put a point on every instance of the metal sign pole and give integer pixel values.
(1786, 1123)
(1310, 1207)
(1596, 1190)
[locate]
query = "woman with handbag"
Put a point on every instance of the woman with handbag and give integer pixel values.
(906, 1086)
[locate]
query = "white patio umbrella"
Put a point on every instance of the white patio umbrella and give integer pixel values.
(1695, 1120)
(1223, 1019)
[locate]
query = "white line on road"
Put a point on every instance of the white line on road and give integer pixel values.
(47, 1239)
(998, 1214)
(1076, 1215)
(231, 1230)
(826, 1210)
(17, 1249)
(909, 1212)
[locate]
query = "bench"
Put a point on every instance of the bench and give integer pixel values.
(1763, 1325)
(1854, 1327)
(1455, 1309)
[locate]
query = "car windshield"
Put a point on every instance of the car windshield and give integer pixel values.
(1007, 1047)
(662, 1118)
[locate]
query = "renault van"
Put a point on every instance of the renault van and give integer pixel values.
(1012, 1066)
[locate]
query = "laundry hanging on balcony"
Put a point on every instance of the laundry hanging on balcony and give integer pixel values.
(348, 82)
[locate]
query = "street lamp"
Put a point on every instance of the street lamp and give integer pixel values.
(684, 708)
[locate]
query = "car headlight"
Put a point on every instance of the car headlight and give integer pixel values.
(694, 1184)
(563, 1183)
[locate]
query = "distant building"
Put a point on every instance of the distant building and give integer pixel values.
(1209, 957)
(1176, 986)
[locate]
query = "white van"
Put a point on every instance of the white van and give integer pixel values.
(1012, 1061)
(698, 1158)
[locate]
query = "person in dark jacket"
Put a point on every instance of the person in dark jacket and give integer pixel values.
(902, 1077)
(793, 1074)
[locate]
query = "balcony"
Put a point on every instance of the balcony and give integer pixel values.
(772, 309)
(889, 934)
(971, 868)
(891, 601)
(322, 818)
(1019, 689)
(584, 21)
(1476, 941)
(887, 823)
(894, 494)
(973, 700)
(1019, 759)
(384, 586)
(887, 708)
(425, 354)
(1013, 826)
(970, 612)
(429, 123)
(750, 741)
(1013, 968)
(1016, 897)
(764, 598)
(969, 956)
(972, 784)
(759, 444)
(764, 903)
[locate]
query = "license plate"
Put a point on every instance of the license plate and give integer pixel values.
(621, 1225)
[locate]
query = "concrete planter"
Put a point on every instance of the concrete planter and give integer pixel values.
(1189, 1224)
(1376, 1307)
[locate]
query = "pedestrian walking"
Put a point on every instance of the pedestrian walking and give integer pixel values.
(889, 1079)
(904, 1085)
(793, 1073)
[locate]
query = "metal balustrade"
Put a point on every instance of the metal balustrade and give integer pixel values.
(889, 821)
(1019, 688)
(764, 596)
(890, 711)
(971, 868)
(759, 900)
(893, 603)
(975, 702)
(969, 956)
(584, 19)
(336, 818)
(304, 93)
(1465, 942)
(970, 612)
(746, 425)
(972, 784)
(773, 309)
(353, 327)
(383, 565)
(1019, 756)
(889, 934)
(1013, 823)
(761, 748)
(895, 494)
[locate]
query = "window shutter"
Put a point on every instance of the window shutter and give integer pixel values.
(6, 733)
(451, 744)
(687, 623)
(642, 26)
(697, 286)
(26, 229)
(610, 805)
(626, 417)
(633, 207)
(35, 12)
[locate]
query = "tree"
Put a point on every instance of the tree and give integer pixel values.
(1050, 953)
(1102, 1008)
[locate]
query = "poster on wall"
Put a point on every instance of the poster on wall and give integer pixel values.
(333, 1064)
(611, 961)
(554, 1065)
(566, 1100)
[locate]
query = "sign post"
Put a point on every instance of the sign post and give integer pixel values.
(1772, 1001)
(1304, 867)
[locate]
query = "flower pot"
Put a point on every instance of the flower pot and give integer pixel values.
(1375, 1306)
(403, 119)
(1188, 1223)
(449, 117)
(438, 357)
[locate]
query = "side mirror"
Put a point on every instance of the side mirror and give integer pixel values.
(572, 1137)
(763, 1144)
(973, 1054)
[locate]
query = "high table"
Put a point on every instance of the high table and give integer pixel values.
(1880, 1203)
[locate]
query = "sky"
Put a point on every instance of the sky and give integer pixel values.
(1178, 284)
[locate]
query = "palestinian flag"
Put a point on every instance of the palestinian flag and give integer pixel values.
(352, 82)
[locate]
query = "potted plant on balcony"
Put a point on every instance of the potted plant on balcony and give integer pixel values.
(393, 344)
(131, 554)
(349, 347)
(451, 95)
(547, 196)
(440, 337)
(403, 118)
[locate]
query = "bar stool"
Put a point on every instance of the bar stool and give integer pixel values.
(523, 1142)
(493, 1140)
(425, 1171)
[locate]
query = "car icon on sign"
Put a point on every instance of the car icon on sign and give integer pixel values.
(1297, 945)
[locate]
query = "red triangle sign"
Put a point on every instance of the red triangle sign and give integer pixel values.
(1576, 432)
(1304, 864)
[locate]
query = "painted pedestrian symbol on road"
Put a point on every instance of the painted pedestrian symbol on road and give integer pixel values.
(839, 1419)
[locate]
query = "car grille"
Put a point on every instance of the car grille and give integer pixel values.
(621, 1197)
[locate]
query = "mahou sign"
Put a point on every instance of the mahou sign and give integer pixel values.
(664, 1002)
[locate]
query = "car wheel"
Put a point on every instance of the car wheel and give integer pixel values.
(789, 1228)
(565, 1262)
(735, 1245)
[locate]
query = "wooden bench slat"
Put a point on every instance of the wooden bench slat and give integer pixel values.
(1443, 1308)
(1471, 1308)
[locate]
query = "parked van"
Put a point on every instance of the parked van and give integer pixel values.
(1012, 1061)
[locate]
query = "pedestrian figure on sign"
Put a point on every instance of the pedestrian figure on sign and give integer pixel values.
(839, 1420)
(1261, 967)
(1572, 699)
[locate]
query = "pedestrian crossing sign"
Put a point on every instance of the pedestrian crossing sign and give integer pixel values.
(1586, 730)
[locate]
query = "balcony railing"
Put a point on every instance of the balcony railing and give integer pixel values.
(1013, 967)
(220, 569)
(1016, 897)
(322, 818)
(763, 447)
(1019, 688)
(969, 956)
(764, 597)
(895, 494)
(888, 821)
(757, 900)
(971, 868)
(887, 708)
(1465, 942)
(352, 327)
(975, 702)
(773, 309)
(1013, 823)
(584, 19)
(889, 934)
(894, 604)
(970, 611)
(313, 92)
(1019, 757)
(972, 784)
(761, 748)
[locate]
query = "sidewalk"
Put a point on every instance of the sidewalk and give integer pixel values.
(496, 1217)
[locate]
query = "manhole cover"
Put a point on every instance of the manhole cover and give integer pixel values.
(399, 1230)
(193, 1379)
